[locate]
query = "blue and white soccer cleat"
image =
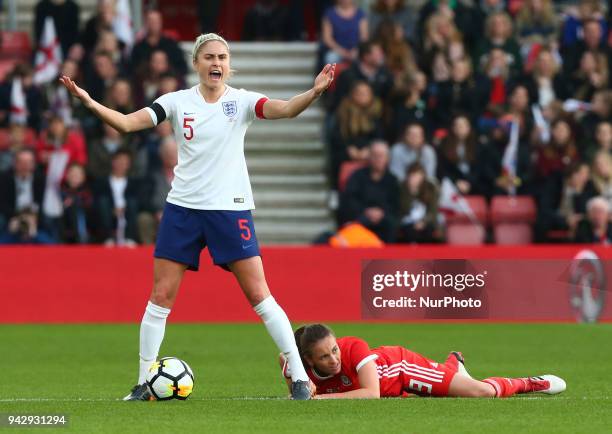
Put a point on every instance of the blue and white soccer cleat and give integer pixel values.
(300, 390)
(140, 392)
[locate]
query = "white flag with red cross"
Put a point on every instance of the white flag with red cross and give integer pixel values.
(453, 203)
(122, 24)
(19, 110)
(510, 158)
(48, 59)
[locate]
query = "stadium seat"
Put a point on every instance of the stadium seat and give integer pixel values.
(558, 236)
(346, 170)
(478, 205)
(513, 209)
(467, 234)
(512, 217)
(512, 233)
(15, 45)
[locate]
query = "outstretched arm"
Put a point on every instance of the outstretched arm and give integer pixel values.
(135, 121)
(368, 380)
(279, 109)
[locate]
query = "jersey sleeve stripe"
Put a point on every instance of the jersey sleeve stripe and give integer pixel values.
(259, 108)
(366, 360)
(160, 113)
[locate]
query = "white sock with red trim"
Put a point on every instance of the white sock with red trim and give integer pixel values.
(279, 327)
(152, 330)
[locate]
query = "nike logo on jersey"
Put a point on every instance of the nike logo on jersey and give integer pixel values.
(187, 114)
(248, 246)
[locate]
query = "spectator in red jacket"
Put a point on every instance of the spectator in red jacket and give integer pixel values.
(58, 137)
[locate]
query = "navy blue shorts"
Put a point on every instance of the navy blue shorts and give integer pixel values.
(185, 232)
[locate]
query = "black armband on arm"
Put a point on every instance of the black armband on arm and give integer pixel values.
(159, 111)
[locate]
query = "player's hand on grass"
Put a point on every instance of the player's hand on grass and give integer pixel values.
(76, 91)
(313, 389)
(324, 79)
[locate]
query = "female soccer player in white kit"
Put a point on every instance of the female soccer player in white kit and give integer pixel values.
(210, 201)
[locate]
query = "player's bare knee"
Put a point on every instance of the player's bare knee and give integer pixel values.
(161, 299)
(257, 295)
(163, 294)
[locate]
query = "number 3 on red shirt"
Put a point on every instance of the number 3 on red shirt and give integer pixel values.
(188, 127)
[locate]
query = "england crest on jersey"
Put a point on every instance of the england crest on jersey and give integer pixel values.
(230, 108)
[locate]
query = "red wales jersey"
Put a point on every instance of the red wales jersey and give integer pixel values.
(354, 353)
(400, 371)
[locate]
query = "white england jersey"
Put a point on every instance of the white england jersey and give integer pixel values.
(211, 172)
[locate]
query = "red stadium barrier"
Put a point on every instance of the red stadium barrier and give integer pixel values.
(97, 284)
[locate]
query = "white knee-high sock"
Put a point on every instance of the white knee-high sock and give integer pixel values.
(279, 327)
(152, 330)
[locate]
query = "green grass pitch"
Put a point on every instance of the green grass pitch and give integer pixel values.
(82, 370)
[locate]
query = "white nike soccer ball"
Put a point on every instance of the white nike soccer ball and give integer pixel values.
(170, 378)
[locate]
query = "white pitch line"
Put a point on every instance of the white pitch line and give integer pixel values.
(271, 398)
(236, 398)
(567, 398)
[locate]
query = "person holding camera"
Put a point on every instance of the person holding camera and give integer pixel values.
(21, 193)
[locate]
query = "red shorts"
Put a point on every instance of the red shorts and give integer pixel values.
(404, 372)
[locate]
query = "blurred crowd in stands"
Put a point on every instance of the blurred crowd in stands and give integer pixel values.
(449, 101)
(112, 187)
(436, 102)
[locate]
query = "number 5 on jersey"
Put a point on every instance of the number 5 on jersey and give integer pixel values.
(243, 224)
(186, 125)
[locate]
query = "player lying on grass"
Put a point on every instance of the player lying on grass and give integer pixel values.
(346, 368)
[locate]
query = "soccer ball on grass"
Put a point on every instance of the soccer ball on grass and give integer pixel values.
(170, 378)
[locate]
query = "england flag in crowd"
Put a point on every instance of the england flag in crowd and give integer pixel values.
(453, 203)
(541, 122)
(19, 111)
(509, 161)
(122, 24)
(48, 57)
